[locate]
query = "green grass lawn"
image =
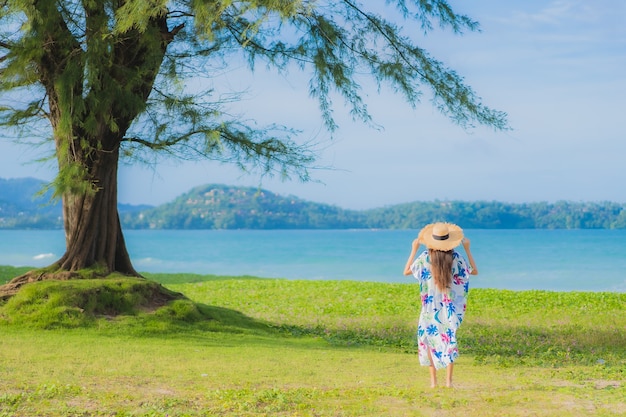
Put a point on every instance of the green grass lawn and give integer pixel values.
(264, 347)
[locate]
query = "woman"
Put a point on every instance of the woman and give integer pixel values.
(443, 275)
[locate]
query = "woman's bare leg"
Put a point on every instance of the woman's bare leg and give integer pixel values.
(432, 370)
(449, 370)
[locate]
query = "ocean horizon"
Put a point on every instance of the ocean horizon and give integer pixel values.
(520, 259)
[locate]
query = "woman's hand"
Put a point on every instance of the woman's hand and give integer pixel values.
(470, 258)
(414, 247)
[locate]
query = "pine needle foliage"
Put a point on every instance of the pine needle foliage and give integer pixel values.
(121, 67)
(108, 79)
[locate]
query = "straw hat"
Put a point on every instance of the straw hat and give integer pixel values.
(441, 236)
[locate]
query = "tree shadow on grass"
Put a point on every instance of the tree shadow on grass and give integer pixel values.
(121, 304)
(144, 308)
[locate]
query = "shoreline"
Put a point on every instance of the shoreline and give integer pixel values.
(8, 272)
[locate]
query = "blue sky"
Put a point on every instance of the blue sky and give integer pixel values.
(558, 68)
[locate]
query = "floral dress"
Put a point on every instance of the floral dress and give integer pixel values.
(442, 312)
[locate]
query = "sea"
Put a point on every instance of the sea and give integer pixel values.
(554, 260)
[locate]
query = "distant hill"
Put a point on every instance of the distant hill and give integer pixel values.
(497, 215)
(222, 207)
(217, 206)
(20, 192)
(22, 206)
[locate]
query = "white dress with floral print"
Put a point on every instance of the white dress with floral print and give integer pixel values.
(442, 312)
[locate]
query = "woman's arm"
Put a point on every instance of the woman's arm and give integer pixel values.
(414, 247)
(470, 258)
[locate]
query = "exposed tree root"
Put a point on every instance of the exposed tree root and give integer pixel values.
(11, 288)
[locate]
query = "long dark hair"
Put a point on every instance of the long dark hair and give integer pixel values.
(441, 268)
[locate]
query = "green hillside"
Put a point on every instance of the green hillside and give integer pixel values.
(497, 215)
(223, 207)
(217, 206)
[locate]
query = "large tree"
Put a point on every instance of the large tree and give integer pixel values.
(106, 80)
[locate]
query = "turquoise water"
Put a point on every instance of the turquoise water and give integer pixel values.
(562, 260)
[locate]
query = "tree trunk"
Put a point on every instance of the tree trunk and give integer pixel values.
(93, 233)
(89, 125)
